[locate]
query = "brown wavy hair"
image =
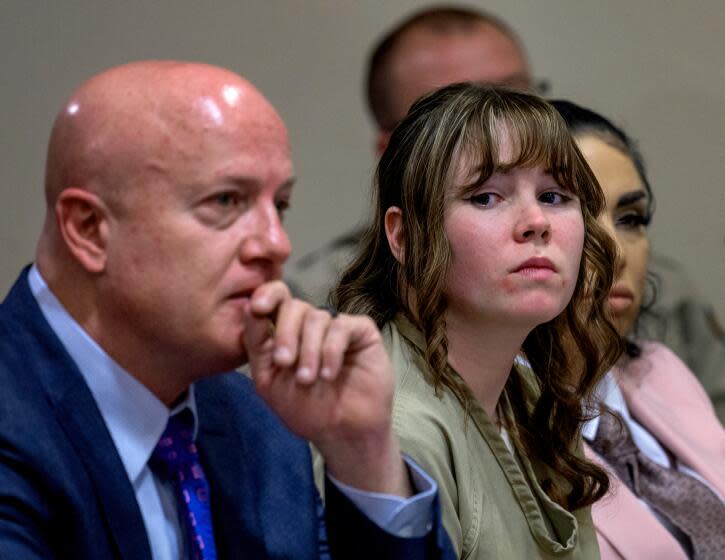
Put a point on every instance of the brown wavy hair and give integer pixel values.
(416, 174)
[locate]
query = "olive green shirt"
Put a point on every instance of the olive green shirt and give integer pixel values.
(493, 507)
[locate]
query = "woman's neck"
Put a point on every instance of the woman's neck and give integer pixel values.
(483, 354)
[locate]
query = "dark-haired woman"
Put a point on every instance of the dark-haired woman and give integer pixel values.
(665, 447)
(483, 250)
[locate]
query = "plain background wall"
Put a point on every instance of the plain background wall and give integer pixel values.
(655, 66)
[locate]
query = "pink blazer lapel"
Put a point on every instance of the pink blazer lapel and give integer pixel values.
(625, 528)
(665, 397)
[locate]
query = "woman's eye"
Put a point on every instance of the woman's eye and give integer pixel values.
(554, 197)
(633, 220)
(485, 199)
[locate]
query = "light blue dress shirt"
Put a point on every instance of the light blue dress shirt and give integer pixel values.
(135, 418)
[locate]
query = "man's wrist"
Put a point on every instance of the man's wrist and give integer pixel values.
(371, 465)
(403, 517)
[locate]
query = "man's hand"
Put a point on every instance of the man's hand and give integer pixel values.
(331, 382)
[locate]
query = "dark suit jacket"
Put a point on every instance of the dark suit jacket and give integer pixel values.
(65, 494)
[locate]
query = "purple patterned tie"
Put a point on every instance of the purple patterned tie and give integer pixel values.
(690, 505)
(176, 459)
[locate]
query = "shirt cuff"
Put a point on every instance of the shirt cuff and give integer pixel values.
(404, 518)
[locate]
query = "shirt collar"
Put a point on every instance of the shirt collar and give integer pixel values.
(609, 394)
(134, 416)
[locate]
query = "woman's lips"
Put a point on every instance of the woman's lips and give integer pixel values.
(620, 299)
(537, 268)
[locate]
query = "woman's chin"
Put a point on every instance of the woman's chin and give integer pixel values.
(623, 320)
(532, 317)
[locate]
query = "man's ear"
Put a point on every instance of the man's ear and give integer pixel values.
(394, 233)
(83, 223)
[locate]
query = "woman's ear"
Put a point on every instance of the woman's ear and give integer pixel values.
(83, 223)
(394, 233)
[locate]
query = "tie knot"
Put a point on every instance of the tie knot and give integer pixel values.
(613, 439)
(175, 449)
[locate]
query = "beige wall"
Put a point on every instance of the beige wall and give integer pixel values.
(654, 65)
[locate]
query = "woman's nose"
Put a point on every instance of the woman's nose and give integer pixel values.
(533, 224)
(620, 261)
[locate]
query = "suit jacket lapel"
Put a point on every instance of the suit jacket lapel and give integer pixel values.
(234, 494)
(81, 420)
(262, 489)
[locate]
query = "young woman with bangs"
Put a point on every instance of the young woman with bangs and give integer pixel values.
(474, 267)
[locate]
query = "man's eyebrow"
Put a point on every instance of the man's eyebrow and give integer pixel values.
(245, 182)
(240, 181)
(631, 197)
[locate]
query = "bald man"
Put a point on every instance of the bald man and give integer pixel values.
(121, 435)
(432, 48)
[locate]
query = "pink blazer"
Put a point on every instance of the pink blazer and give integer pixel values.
(665, 397)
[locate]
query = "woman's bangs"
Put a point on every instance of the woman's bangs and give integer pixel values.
(537, 135)
(538, 139)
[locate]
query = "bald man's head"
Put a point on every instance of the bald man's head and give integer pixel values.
(166, 183)
(117, 122)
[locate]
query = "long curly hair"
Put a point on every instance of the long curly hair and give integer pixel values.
(585, 122)
(415, 174)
